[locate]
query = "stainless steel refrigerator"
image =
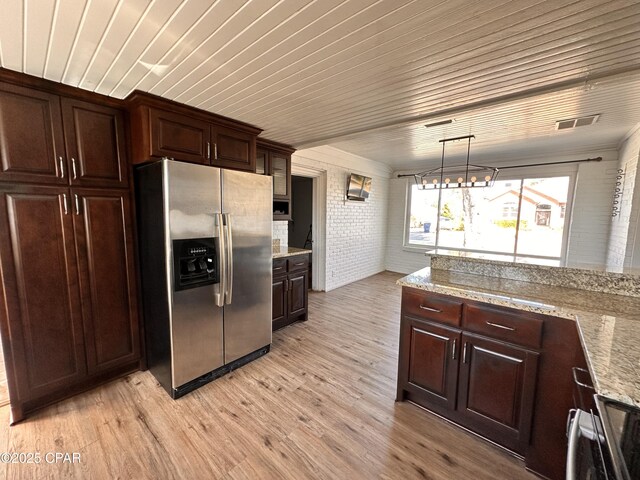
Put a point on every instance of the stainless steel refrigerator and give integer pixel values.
(205, 255)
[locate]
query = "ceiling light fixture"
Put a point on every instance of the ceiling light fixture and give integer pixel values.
(456, 176)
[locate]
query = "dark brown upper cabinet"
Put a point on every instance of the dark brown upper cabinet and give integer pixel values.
(95, 144)
(163, 128)
(178, 136)
(49, 139)
(274, 159)
(31, 136)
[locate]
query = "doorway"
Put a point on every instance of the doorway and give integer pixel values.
(300, 231)
(300, 226)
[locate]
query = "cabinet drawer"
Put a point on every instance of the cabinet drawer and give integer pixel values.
(431, 306)
(299, 262)
(279, 266)
(503, 324)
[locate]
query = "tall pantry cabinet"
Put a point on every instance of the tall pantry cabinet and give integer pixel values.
(69, 313)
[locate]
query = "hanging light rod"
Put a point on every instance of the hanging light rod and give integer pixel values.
(456, 176)
(596, 159)
(584, 160)
(455, 139)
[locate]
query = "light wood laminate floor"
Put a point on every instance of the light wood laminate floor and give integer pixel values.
(319, 405)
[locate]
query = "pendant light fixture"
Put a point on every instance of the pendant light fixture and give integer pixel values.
(456, 176)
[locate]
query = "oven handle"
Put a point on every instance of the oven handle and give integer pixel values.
(581, 424)
(573, 432)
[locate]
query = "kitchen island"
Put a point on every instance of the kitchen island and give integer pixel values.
(485, 318)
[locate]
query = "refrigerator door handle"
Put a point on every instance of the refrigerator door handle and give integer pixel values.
(222, 262)
(229, 268)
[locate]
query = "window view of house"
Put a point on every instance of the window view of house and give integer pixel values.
(523, 217)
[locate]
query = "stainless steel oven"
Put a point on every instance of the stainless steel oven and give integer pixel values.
(587, 456)
(603, 436)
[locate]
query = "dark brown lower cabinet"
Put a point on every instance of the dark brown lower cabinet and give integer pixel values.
(496, 390)
(503, 373)
(290, 290)
(432, 363)
(279, 303)
(297, 294)
(69, 291)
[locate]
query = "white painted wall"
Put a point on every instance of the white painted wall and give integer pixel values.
(590, 218)
(624, 227)
(356, 232)
(400, 259)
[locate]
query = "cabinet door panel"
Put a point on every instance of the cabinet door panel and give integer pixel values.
(262, 162)
(95, 142)
(179, 137)
(280, 167)
(496, 390)
(279, 302)
(31, 138)
(297, 294)
(40, 282)
(107, 277)
(233, 149)
(432, 366)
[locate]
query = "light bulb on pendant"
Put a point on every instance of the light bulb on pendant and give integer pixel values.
(487, 178)
(473, 179)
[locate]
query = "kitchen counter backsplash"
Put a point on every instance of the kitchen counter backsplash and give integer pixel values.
(591, 280)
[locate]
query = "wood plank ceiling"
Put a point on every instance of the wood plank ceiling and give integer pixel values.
(363, 75)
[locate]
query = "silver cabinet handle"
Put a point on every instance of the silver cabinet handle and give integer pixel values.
(77, 203)
(61, 162)
(429, 309)
(229, 242)
(464, 353)
(64, 201)
(299, 264)
(575, 371)
(208, 149)
(453, 353)
(215, 151)
(504, 327)
(73, 168)
(222, 263)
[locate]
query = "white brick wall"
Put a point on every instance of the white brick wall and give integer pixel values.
(622, 237)
(356, 232)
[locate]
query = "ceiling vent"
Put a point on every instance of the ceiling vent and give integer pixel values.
(576, 122)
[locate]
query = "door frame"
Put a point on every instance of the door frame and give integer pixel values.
(318, 221)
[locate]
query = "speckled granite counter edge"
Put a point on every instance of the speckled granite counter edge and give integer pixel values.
(583, 279)
(289, 252)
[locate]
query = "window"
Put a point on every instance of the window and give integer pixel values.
(522, 218)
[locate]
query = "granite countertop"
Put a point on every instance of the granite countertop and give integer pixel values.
(609, 325)
(285, 251)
